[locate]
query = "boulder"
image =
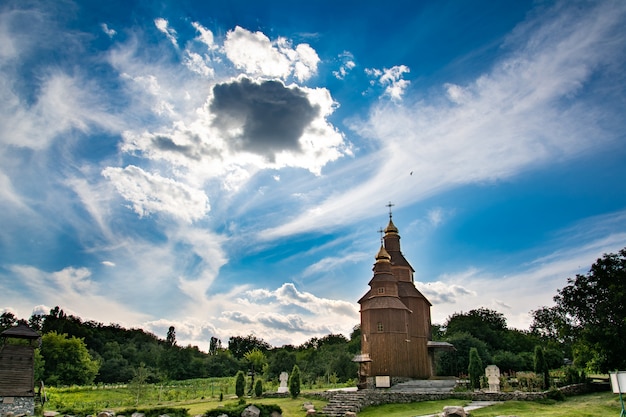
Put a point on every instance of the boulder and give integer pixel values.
(276, 414)
(453, 411)
(350, 414)
(308, 406)
(311, 412)
(251, 411)
(138, 415)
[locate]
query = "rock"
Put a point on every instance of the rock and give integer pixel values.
(453, 411)
(106, 414)
(276, 414)
(350, 414)
(49, 413)
(138, 415)
(251, 411)
(311, 412)
(308, 406)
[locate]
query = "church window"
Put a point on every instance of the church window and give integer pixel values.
(380, 326)
(381, 290)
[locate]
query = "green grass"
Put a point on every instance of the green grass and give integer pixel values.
(589, 405)
(409, 409)
(200, 396)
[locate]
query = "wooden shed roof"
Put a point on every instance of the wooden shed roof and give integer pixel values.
(21, 331)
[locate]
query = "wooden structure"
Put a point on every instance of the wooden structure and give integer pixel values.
(395, 317)
(17, 368)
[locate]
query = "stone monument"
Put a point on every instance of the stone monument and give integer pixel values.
(492, 372)
(284, 377)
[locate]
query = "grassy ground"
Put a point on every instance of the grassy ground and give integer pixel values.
(410, 409)
(201, 396)
(590, 405)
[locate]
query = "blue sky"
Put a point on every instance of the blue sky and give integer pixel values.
(224, 167)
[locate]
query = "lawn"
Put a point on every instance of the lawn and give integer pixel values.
(589, 405)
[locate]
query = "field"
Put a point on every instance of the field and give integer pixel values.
(199, 396)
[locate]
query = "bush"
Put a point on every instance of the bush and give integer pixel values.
(258, 388)
(235, 411)
(555, 394)
(240, 384)
(294, 382)
(475, 368)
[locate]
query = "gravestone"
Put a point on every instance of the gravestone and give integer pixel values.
(284, 377)
(492, 372)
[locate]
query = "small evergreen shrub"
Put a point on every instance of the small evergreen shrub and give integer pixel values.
(258, 388)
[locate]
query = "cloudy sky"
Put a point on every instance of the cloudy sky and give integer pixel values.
(224, 167)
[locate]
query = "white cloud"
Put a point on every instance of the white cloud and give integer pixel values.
(254, 53)
(527, 111)
(152, 193)
(109, 32)
(163, 26)
(347, 65)
(205, 36)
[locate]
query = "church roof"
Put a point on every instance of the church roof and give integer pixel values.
(407, 289)
(378, 302)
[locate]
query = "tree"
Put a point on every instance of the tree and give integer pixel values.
(239, 345)
(215, 345)
(596, 305)
(475, 368)
(482, 323)
(138, 384)
(170, 339)
(294, 382)
(7, 320)
(240, 384)
(258, 388)
(541, 367)
(67, 360)
(257, 360)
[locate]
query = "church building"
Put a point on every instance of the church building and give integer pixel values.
(395, 319)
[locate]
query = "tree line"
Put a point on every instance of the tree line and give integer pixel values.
(73, 351)
(585, 329)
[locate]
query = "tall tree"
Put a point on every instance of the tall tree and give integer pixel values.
(541, 367)
(170, 339)
(240, 384)
(475, 368)
(239, 345)
(294, 382)
(596, 304)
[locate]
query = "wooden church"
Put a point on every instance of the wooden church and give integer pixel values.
(395, 320)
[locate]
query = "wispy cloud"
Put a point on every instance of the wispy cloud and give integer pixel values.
(526, 111)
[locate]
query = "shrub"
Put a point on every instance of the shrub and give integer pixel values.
(555, 394)
(235, 411)
(475, 368)
(240, 384)
(258, 388)
(294, 382)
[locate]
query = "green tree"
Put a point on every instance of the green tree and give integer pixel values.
(294, 382)
(238, 345)
(482, 323)
(67, 360)
(475, 368)
(541, 367)
(258, 388)
(240, 384)
(137, 385)
(596, 304)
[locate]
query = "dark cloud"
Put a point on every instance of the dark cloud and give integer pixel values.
(165, 143)
(271, 116)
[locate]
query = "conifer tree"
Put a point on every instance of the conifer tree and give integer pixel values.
(475, 368)
(294, 382)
